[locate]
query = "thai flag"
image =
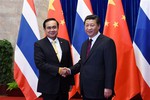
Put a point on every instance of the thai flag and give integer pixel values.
(84, 8)
(25, 71)
(142, 47)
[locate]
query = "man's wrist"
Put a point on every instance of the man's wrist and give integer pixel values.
(59, 70)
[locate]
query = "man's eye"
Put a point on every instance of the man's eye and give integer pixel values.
(51, 27)
(92, 25)
(54, 27)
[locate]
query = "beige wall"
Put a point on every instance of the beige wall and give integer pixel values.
(10, 14)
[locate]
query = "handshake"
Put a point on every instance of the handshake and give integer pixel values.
(64, 71)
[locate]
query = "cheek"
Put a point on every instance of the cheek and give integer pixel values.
(96, 29)
(86, 30)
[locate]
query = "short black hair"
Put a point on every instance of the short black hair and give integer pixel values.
(49, 19)
(93, 17)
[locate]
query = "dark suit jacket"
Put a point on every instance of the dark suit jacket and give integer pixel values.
(48, 64)
(98, 70)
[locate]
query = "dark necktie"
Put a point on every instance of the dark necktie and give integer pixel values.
(88, 47)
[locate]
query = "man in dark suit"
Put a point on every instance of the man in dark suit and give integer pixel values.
(98, 67)
(50, 54)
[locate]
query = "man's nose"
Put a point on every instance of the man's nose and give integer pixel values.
(89, 27)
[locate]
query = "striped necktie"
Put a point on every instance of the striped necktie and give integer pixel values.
(56, 50)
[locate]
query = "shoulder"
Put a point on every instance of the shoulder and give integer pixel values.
(85, 43)
(63, 40)
(106, 38)
(41, 41)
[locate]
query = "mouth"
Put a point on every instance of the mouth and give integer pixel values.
(89, 32)
(51, 33)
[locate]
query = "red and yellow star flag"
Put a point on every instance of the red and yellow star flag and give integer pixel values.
(55, 11)
(126, 81)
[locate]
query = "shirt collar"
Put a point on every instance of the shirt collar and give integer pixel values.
(56, 40)
(95, 37)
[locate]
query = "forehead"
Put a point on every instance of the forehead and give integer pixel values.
(90, 21)
(51, 23)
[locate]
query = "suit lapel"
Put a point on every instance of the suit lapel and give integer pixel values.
(48, 45)
(62, 46)
(85, 49)
(93, 48)
(50, 48)
(97, 42)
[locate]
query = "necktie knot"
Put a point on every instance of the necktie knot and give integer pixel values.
(53, 41)
(54, 46)
(90, 41)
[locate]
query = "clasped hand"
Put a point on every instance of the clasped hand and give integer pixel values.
(64, 71)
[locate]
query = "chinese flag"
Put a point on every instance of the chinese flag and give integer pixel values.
(126, 81)
(55, 11)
